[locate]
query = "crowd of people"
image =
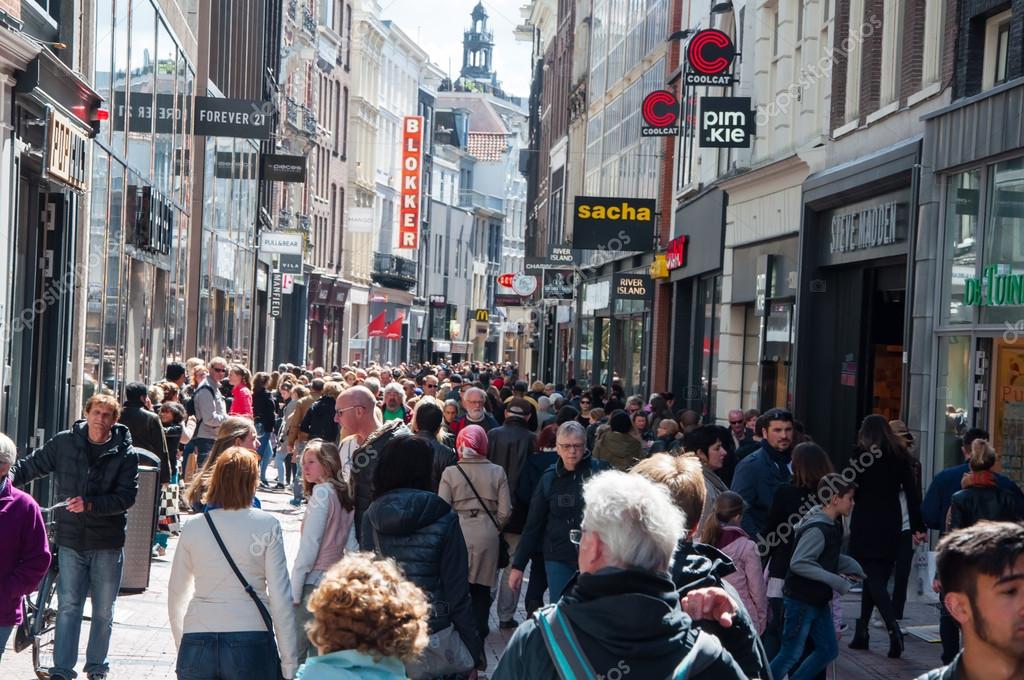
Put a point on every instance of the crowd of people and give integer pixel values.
(665, 545)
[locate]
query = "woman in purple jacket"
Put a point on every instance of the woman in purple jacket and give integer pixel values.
(26, 554)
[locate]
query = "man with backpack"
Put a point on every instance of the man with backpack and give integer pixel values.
(208, 408)
(622, 617)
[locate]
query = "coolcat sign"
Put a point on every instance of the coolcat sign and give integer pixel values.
(709, 54)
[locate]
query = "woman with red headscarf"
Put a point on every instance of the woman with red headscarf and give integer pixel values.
(477, 490)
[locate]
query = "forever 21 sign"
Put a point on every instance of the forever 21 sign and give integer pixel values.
(220, 117)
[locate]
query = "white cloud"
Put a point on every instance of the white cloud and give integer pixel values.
(437, 26)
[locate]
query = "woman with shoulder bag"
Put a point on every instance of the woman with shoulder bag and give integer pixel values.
(417, 529)
(229, 590)
(477, 490)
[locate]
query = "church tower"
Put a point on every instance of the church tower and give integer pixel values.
(477, 49)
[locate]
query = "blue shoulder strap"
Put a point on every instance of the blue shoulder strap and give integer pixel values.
(563, 647)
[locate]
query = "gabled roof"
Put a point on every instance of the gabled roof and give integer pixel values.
(483, 117)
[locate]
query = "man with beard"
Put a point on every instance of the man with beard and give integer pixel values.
(474, 399)
(758, 475)
(981, 571)
(394, 408)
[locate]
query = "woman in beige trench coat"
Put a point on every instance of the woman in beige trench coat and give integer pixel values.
(458, 482)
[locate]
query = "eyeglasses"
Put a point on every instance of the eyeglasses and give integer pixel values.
(735, 422)
(430, 386)
(571, 447)
(576, 536)
(217, 369)
(341, 411)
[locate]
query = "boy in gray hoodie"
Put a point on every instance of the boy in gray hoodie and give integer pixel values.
(816, 569)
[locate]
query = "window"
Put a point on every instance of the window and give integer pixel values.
(799, 20)
(997, 37)
(775, 32)
(963, 207)
(933, 26)
(892, 35)
(1004, 232)
(853, 62)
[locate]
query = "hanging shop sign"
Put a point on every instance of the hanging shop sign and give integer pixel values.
(675, 253)
(558, 257)
(482, 315)
(275, 295)
(223, 117)
(281, 242)
(726, 122)
(290, 264)
(997, 287)
(709, 55)
(660, 112)
(506, 300)
(275, 167)
(287, 284)
(65, 151)
(438, 301)
(659, 267)
(505, 280)
(412, 162)
(632, 286)
(524, 284)
(614, 224)
(558, 284)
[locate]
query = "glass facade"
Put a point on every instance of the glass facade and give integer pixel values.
(136, 270)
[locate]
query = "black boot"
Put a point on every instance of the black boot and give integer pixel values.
(895, 643)
(860, 635)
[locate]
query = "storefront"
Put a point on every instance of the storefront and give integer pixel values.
(851, 306)
(694, 261)
(976, 335)
(327, 297)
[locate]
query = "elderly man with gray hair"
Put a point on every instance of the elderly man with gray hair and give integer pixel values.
(474, 400)
(622, 616)
(394, 403)
(26, 554)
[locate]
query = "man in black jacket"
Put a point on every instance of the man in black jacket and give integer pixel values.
(144, 426)
(623, 615)
(509, 446)
(96, 473)
(981, 570)
(319, 421)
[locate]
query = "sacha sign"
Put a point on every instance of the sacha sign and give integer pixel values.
(599, 222)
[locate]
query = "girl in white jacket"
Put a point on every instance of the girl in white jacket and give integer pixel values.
(722, 530)
(326, 530)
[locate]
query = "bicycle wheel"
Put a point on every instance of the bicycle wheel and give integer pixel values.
(44, 626)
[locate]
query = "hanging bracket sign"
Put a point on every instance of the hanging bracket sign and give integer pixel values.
(223, 117)
(709, 55)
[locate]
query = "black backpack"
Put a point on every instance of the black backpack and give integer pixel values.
(190, 403)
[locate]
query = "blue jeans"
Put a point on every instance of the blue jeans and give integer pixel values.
(96, 573)
(265, 451)
(201, 448)
(804, 620)
(559, 574)
(228, 656)
(5, 633)
(297, 476)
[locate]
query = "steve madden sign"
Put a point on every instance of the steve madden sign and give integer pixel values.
(870, 227)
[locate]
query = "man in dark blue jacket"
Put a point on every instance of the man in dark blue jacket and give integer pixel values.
(934, 509)
(758, 475)
(96, 472)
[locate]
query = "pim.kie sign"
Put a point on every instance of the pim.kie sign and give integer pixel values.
(412, 167)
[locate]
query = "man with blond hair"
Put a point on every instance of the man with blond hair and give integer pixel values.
(96, 473)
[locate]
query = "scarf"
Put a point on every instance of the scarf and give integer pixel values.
(984, 478)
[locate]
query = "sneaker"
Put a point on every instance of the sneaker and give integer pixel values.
(94, 676)
(506, 625)
(279, 486)
(295, 502)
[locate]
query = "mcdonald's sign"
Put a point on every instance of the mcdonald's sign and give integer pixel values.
(483, 315)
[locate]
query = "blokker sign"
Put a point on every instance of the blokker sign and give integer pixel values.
(726, 122)
(412, 165)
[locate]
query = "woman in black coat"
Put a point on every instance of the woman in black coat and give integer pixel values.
(417, 529)
(883, 470)
(264, 413)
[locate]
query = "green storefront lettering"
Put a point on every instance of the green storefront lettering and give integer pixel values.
(993, 289)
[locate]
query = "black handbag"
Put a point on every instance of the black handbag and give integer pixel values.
(503, 553)
(267, 620)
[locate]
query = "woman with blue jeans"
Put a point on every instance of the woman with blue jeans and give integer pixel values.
(219, 632)
(265, 415)
(556, 510)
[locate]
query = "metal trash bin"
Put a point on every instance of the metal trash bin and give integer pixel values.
(141, 530)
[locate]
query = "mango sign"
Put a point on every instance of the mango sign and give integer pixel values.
(412, 166)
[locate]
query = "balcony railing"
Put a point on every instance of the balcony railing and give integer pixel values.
(301, 118)
(474, 199)
(392, 271)
(308, 21)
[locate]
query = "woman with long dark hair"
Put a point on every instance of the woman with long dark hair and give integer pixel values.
(883, 470)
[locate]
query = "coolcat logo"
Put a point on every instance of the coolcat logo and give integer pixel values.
(661, 114)
(710, 54)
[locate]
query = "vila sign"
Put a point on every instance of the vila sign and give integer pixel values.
(412, 161)
(726, 122)
(709, 54)
(614, 224)
(632, 286)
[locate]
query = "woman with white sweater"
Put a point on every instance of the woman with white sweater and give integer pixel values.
(326, 531)
(222, 630)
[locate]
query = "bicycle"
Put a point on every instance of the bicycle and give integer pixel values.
(38, 628)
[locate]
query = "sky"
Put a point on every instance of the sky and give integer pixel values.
(437, 26)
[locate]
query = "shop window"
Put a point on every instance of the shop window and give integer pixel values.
(1004, 237)
(1006, 399)
(93, 375)
(997, 42)
(954, 402)
(710, 292)
(963, 205)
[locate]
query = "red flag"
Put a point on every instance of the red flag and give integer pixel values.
(394, 330)
(376, 328)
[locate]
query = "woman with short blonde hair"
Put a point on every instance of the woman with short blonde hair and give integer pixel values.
(211, 607)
